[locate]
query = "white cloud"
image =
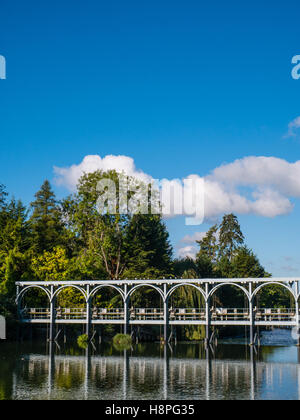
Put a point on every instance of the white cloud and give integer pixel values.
(190, 248)
(270, 183)
(69, 176)
(187, 251)
(293, 127)
(191, 239)
(256, 185)
(260, 171)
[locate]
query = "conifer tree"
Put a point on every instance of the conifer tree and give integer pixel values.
(208, 245)
(231, 237)
(47, 228)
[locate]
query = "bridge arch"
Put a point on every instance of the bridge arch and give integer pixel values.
(71, 286)
(260, 287)
(152, 286)
(96, 289)
(27, 288)
(172, 290)
(214, 289)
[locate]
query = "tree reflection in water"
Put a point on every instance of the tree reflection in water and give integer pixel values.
(148, 371)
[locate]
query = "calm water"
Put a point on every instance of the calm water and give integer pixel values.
(147, 371)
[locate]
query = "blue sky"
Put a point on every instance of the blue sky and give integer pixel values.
(182, 87)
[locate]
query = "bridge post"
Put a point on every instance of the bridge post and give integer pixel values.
(297, 311)
(207, 315)
(166, 315)
(126, 310)
(251, 316)
(88, 312)
(18, 302)
(52, 315)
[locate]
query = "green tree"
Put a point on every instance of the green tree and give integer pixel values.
(128, 245)
(209, 245)
(3, 207)
(180, 265)
(15, 230)
(149, 251)
(3, 196)
(274, 296)
(47, 228)
(230, 236)
(246, 264)
(205, 267)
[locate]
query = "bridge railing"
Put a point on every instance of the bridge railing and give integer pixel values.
(35, 313)
(230, 314)
(274, 314)
(70, 313)
(187, 314)
(157, 314)
(108, 313)
(146, 314)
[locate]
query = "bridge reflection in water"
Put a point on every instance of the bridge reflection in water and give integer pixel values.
(165, 377)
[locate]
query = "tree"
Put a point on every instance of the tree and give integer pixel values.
(205, 267)
(245, 264)
(274, 296)
(182, 265)
(51, 265)
(149, 251)
(3, 205)
(209, 245)
(128, 244)
(56, 266)
(47, 228)
(14, 266)
(3, 196)
(15, 229)
(230, 237)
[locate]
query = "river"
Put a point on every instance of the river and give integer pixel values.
(231, 370)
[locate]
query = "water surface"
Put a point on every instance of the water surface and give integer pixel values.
(232, 370)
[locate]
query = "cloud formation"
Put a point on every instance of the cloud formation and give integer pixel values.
(293, 127)
(191, 239)
(257, 185)
(189, 248)
(69, 177)
(189, 251)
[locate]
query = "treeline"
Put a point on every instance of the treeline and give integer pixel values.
(70, 240)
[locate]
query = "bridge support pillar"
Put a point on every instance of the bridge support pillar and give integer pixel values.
(166, 315)
(297, 318)
(251, 316)
(52, 316)
(207, 316)
(126, 311)
(88, 313)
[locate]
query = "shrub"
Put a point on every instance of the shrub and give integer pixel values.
(82, 341)
(122, 342)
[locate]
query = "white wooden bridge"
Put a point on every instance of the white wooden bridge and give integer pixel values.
(250, 316)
